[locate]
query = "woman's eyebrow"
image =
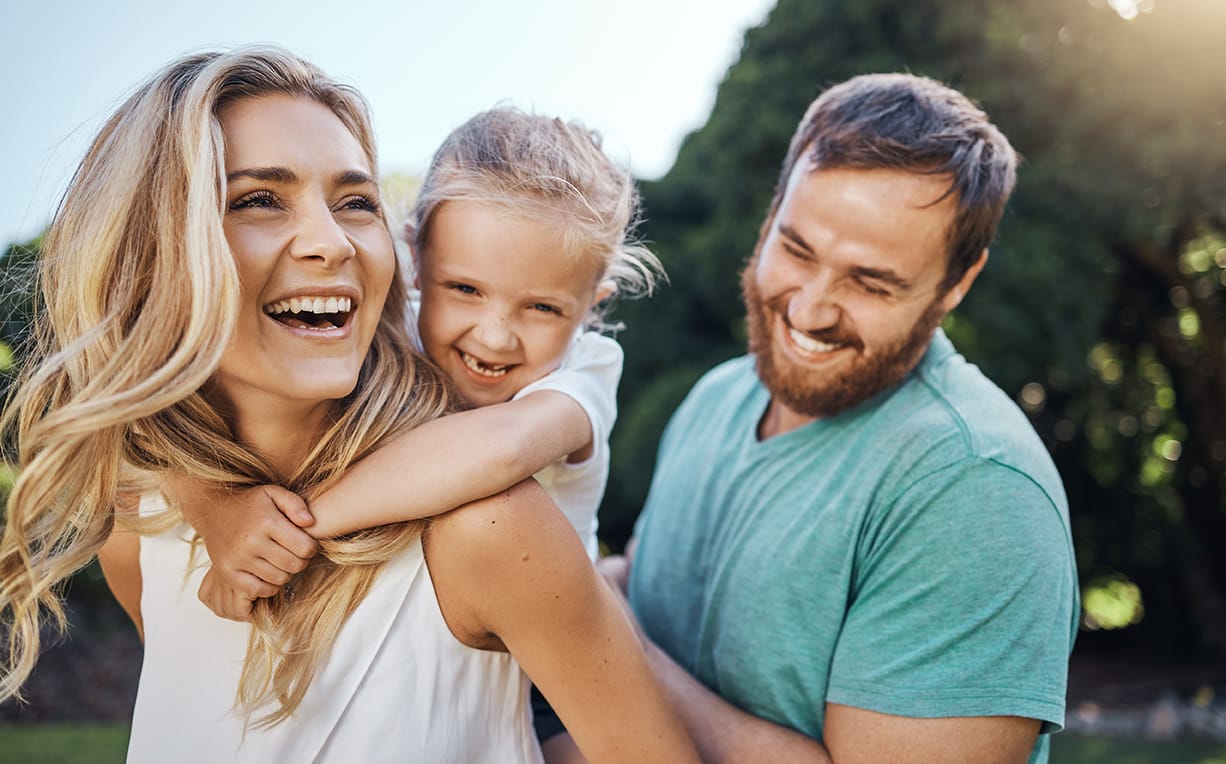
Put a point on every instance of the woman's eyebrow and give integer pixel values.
(353, 178)
(271, 174)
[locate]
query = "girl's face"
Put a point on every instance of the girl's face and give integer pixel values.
(314, 256)
(501, 298)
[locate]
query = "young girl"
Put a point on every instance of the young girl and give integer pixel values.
(520, 234)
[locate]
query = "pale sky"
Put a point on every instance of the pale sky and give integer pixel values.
(643, 72)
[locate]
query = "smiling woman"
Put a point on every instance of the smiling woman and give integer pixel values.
(305, 226)
(267, 344)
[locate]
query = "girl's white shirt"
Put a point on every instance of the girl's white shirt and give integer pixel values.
(397, 686)
(589, 374)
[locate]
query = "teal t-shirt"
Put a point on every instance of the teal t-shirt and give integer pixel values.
(910, 556)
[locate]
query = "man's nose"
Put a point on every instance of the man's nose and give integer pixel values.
(815, 305)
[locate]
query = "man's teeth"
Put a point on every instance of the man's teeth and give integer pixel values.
(805, 342)
(483, 369)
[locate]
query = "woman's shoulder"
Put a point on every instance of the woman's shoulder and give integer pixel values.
(495, 521)
(499, 555)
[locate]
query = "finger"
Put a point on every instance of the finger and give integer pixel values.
(222, 600)
(615, 569)
(250, 586)
(295, 541)
(291, 505)
(271, 574)
(283, 560)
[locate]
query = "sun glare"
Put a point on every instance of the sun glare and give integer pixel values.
(1129, 9)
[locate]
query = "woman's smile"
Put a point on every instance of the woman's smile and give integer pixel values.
(313, 253)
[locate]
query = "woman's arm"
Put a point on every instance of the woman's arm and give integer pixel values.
(525, 583)
(453, 460)
(120, 561)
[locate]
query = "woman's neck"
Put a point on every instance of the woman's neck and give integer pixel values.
(282, 432)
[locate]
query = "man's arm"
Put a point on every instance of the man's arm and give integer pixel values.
(725, 733)
(722, 732)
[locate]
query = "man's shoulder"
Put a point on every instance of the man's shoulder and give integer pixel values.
(951, 410)
(734, 373)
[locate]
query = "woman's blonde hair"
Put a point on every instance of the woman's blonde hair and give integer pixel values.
(547, 169)
(141, 295)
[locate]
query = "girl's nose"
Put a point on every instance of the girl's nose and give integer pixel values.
(495, 332)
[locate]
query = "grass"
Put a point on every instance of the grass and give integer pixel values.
(1069, 749)
(107, 744)
(64, 744)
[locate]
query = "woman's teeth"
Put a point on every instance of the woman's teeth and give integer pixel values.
(310, 305)
(317, 313)
(484, 369)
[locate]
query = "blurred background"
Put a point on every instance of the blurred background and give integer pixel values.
(1102, 311)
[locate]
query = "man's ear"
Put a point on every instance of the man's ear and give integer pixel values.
(955, 294)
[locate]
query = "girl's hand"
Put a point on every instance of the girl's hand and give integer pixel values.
(254, 543)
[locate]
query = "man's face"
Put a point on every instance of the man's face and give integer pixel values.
(843, 291)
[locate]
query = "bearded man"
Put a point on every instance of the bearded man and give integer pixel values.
(855, 547)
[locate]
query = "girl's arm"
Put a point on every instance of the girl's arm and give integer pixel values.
(524, 583)
(453, 460)
(255, 548)
(468, 456)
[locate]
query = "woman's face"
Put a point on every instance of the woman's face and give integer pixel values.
(314, 256)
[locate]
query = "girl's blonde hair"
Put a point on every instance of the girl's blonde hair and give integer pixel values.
(545, 169)
(141, 295)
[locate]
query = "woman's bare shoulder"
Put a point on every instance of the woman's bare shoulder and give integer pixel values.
(502, 555)
(521, 516)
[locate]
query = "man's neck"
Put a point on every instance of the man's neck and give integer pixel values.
(780, 419)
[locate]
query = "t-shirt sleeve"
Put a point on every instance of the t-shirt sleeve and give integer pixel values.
(589, 373)
(965, 601)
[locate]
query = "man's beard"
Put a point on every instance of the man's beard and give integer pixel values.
(818, 395)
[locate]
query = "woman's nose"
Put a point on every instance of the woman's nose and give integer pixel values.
(321, 237)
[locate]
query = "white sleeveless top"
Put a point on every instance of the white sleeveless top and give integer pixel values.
(396, 687)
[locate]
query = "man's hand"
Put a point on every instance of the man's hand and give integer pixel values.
(616, 567)
(254, 543)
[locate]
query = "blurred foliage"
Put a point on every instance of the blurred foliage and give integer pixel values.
(1103, 308)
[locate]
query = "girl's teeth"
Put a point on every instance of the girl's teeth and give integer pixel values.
(481, 368)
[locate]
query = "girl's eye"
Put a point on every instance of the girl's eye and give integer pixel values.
(463, 288)
(545, 308)
(255, 200)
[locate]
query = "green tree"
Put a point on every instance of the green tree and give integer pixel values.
(1104, 305)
